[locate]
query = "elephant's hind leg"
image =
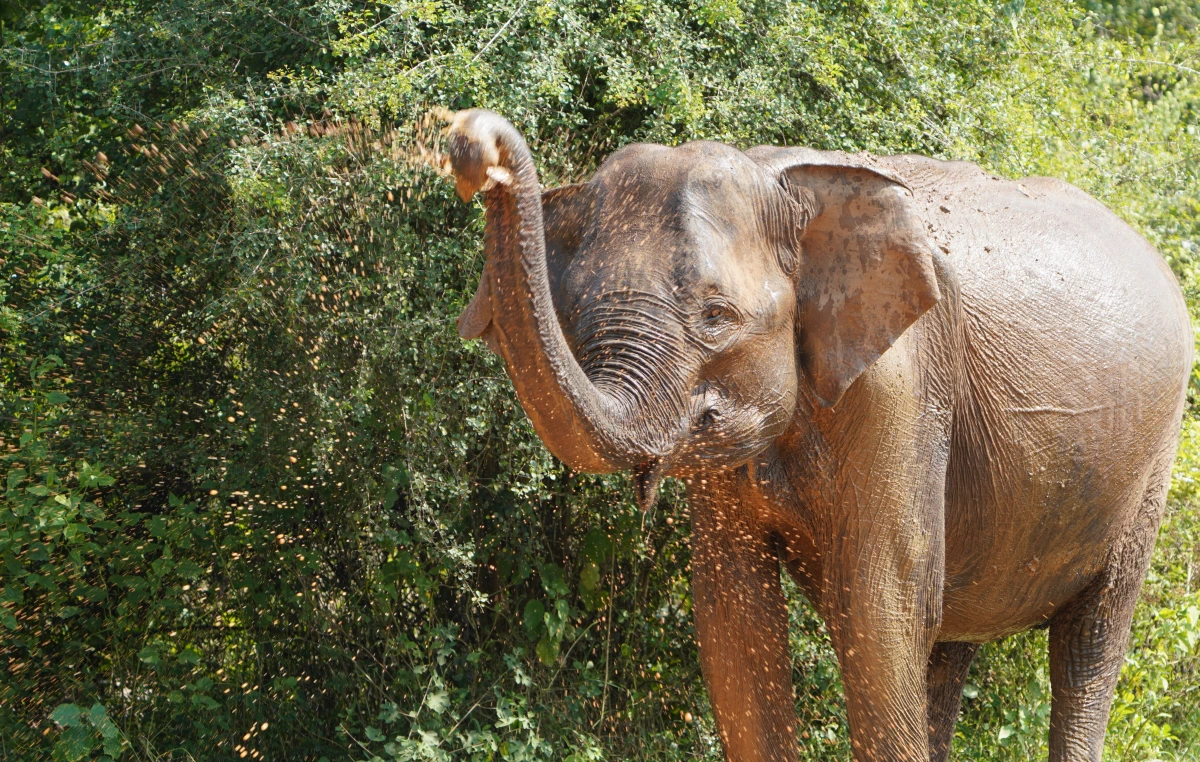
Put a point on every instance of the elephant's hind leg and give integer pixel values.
(1089, 637)
(944, 678)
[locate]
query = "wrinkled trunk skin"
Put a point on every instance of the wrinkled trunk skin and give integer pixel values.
(630, 346)
(588, 430)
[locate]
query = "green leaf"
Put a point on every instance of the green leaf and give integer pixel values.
(113, 747)
(101, 722)
(189, 656)
(66, 715)
(373, 734)
(93, 594)
(589, 576)
(188, 569)
(438, 701)
(15, 477)
(149, 655)
(533, 617)
(158, 526)
(285, 683)
(547, 651)
(402, 566)
(556, 619)
(596, 546)
(75, 743)
(553, 581)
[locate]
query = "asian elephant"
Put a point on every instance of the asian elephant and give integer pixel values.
(946, 403)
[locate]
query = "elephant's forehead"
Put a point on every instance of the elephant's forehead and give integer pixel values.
(688, 195)
(672, 218)
(647, 169)
(683, 242)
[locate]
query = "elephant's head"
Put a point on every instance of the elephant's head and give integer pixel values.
(666, 315)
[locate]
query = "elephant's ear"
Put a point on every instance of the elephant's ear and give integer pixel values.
(865, 271)
(565, 211)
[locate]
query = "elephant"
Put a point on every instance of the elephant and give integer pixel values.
(945, 403)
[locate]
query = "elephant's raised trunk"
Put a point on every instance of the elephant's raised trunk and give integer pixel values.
(588, 430)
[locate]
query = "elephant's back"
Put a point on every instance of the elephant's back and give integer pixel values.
(1050, 278)
(1075, 351)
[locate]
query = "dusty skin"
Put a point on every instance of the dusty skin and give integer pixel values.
(945, 403)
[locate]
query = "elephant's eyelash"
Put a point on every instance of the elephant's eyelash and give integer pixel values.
(718, 311)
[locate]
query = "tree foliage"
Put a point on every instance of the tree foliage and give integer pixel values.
(261, 502)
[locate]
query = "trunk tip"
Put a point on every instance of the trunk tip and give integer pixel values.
(647, 477)
(474, 150)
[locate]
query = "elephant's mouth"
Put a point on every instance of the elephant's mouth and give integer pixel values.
(721, 436)
(720, 441)
(725, 431)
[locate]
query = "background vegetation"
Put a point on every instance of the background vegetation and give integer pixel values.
(260, 501)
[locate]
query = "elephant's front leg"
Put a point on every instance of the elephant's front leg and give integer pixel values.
(881, 600)
(875, 479)
(741, 621)
(883, 573)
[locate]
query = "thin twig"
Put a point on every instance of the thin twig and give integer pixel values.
(1181, 67)
(500, 31)
(550, 685)
(612, 594)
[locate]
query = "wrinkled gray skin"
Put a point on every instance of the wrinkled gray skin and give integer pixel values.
(946, 403)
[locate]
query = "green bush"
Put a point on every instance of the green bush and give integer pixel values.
(261, 501)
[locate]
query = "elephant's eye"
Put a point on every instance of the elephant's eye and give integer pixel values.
(717, 317)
